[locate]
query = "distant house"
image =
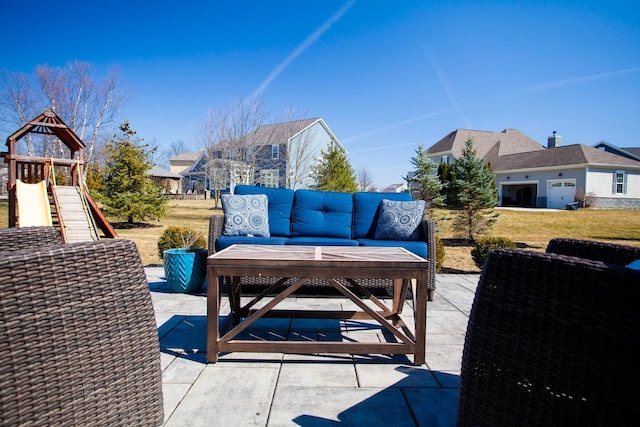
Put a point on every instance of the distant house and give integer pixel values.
(396, 188)
(528, 174)
(170, 182)
(283, 155)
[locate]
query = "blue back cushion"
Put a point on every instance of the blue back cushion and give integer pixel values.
(366, 210)
(279, 204)
(322, 214)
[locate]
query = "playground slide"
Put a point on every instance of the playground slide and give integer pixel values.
(33, 204)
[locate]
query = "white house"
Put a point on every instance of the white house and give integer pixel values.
(528, 174)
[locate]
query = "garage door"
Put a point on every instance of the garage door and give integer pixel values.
(560, 193)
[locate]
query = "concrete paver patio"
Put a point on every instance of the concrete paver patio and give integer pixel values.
(310, 390)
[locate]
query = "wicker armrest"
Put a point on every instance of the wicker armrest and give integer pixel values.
(429, 231)
(16, 238)
(542, 348)
(79, 337)
(216, 225)
(609, 253)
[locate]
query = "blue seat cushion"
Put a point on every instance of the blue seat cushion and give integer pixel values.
(223, 242)
(279, 205)
(321, 241)
(322, 214)
(366, 211)
(417, 247)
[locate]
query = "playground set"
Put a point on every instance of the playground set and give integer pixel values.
(51, 191)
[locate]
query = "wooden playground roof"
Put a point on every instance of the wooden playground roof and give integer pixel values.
(48, 123)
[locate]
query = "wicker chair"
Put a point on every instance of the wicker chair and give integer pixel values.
(609, 253)
(216, 227)
(551, 340)
(78, 338)
(16, 238)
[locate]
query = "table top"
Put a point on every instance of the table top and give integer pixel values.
(317, 256)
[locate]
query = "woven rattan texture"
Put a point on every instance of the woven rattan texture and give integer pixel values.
(78, 338)
(216, 225)
(15, 238)
(609, 253)
(552, 340)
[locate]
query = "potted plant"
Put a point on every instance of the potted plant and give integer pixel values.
(184, 256)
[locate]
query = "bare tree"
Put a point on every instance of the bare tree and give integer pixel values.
(175, 148)
(86, 104)
(364, 179)
(234, 141)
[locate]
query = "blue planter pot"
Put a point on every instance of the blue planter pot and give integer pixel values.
(185, 269)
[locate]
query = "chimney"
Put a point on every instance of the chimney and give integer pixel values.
(553, 141)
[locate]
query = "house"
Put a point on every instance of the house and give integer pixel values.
(528, 174)
(274, 155)
(170, 182)
(396, 188)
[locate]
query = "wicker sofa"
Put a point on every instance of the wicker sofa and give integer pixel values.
(79, 343)
(307, 217)
(553, 339)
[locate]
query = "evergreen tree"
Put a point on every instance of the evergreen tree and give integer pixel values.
(474, 193)
(424, 183)
(335, 172)
(446, 178)
(129, 191)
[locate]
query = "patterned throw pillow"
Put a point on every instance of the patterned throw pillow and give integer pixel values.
(400, 220)
(245, 215)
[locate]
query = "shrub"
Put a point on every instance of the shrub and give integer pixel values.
(440, 254)
(482, 246)
(180, 237)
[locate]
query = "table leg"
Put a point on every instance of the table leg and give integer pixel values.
(213, 313)
(420, 302)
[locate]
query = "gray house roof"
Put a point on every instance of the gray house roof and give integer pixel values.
(187, 156)
(509, 141)
(563, 156)
(632, 153)
(285, 131)
(163, 173)
(281, 132)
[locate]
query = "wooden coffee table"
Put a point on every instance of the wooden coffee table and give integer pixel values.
(320, 262)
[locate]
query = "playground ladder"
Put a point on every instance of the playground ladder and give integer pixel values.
(76, 221)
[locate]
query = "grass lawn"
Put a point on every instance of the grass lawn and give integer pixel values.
(530, 229)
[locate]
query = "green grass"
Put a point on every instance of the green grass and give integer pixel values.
(532, 229)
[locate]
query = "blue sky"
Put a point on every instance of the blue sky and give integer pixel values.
(386, 76)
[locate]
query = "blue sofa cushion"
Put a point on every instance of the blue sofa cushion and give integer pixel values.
(400, 220)
(418, 247)
(321, 241)
(223, 242)
(322, 214)
(366, 211)
(245, 215)
(280, 205)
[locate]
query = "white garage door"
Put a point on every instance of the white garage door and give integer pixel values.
(560, 193)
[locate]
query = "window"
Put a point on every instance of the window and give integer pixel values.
(275, 150)
(618, 182)
(444, 159)
(269, 178)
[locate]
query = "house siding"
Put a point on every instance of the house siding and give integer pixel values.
(317, 139)
(601, 186)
